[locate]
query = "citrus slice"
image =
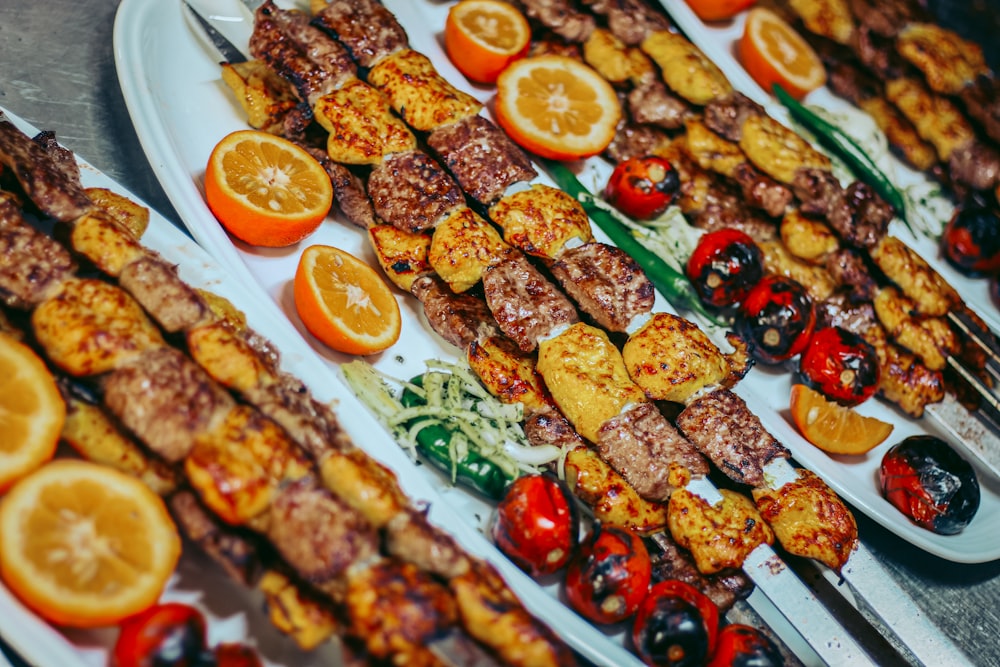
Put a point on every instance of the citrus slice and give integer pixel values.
(344, 302)
(834, 428)
(85, 545)
(772, 52)
(483, 37)
(557, 107)
(265, 190)
(718, 10)
(32, 411)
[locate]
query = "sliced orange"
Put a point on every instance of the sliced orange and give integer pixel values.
(557, 107)
(32, 411)
(834, 428)
(718, 10)
(773, 52)
(483, 37)
(85, 545)
(265, 190)
(344, 302)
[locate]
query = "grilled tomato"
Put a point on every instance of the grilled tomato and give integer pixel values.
(165, 634)
(675, 625)
(609, 576)
(925, 479)
(971, 240)
(724, 266)
(841, 365)
(777, 318)
(643, 187)
(536, 524)
(746, 646)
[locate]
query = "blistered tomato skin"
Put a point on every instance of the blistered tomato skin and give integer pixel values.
(925, 479)
(675, 625)
(777, 319)
(166, 634)
(841, 365)
(536, 524)
(643, 187)
(745, 646)
(971, 240)
(724, 266)
(609, 577)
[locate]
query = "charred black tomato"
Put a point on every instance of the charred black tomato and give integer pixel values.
(971, 240)
(166, 634)
(925, 479)
(841, 365)
(745, 646)
(609, 576)
(724, 266)
(675, 625)
(777, 318)
(536, 524)
(643, 187)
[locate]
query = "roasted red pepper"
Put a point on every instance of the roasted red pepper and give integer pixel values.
(745, 646)
(724, 266)
(609, 576)
(777, 318)
(841, 365)
(643, 187)
(675, 625)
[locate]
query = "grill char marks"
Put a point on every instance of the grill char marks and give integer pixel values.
(53, 188)
(412, 192)
(458, 318)
(33, 265)
(368, 30)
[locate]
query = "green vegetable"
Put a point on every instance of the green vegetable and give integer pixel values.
(434, 442)
(854, 155)
(672, 284)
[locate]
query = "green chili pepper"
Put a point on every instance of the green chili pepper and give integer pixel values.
(856, 158)
(672, 284)
(433, 442)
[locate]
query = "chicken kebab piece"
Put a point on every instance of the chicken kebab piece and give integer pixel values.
(247, 468)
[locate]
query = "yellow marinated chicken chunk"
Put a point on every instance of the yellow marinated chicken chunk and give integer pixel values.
(264, 96)
(809, 520)
(308, 622)
(614, 60)
(132, 216)
(900, 132)
(507, 373)
(816, 279)
(937, 119)
(929, 338)
(541, 220)
(105, 242)
(462, 247)
(671, 359)
(401, 254)
(424, 99)
(364, 484)
(91, 327)
(711, 151)
(586, 376)
(829, 18)
(362, 127)
(806, 238)
(718, 536)
(778, 151)
(929, 291)
(685, 68)
(227, 358)
(948, 62)
(238, 466)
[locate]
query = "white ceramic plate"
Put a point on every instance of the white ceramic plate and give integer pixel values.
(180, 108)
(233, 612)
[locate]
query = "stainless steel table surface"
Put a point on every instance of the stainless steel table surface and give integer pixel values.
(57, 71)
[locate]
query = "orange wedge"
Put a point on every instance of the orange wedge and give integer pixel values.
(344, 302)
(718, 10)
(85, 545)
(772, 52)
(32, 411)
(483, 37)
(557, 107)
(834, 428)
(265, 190)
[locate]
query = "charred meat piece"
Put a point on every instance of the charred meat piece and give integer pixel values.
(368, 30)
(481, 157)
(230, 547)
(634, 140)
(723, 588)
(976, 165)
(166, 400)
(460, 319)
(644, 447)
(154, 283)
(561, 17)
(605, 283)
(885, 17)
(348, 190)
(817, 190)
(33, 264)
(547, 426)
(848, 269)
(761, 191)
(631, 21)
(412, 192)
(722, 427)
(860, 216)
(409, 536)
(526, 306)
(726, 115)
(651, 103)
(981, 100)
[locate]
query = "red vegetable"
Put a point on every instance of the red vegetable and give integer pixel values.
(724, 266)
(745, 646)
(235, 655)
(841, 365)
(536, 524)
(609, 576)
(165, 634)
(643, 187)
(777, 318)
(971, 240)
(675, 625)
